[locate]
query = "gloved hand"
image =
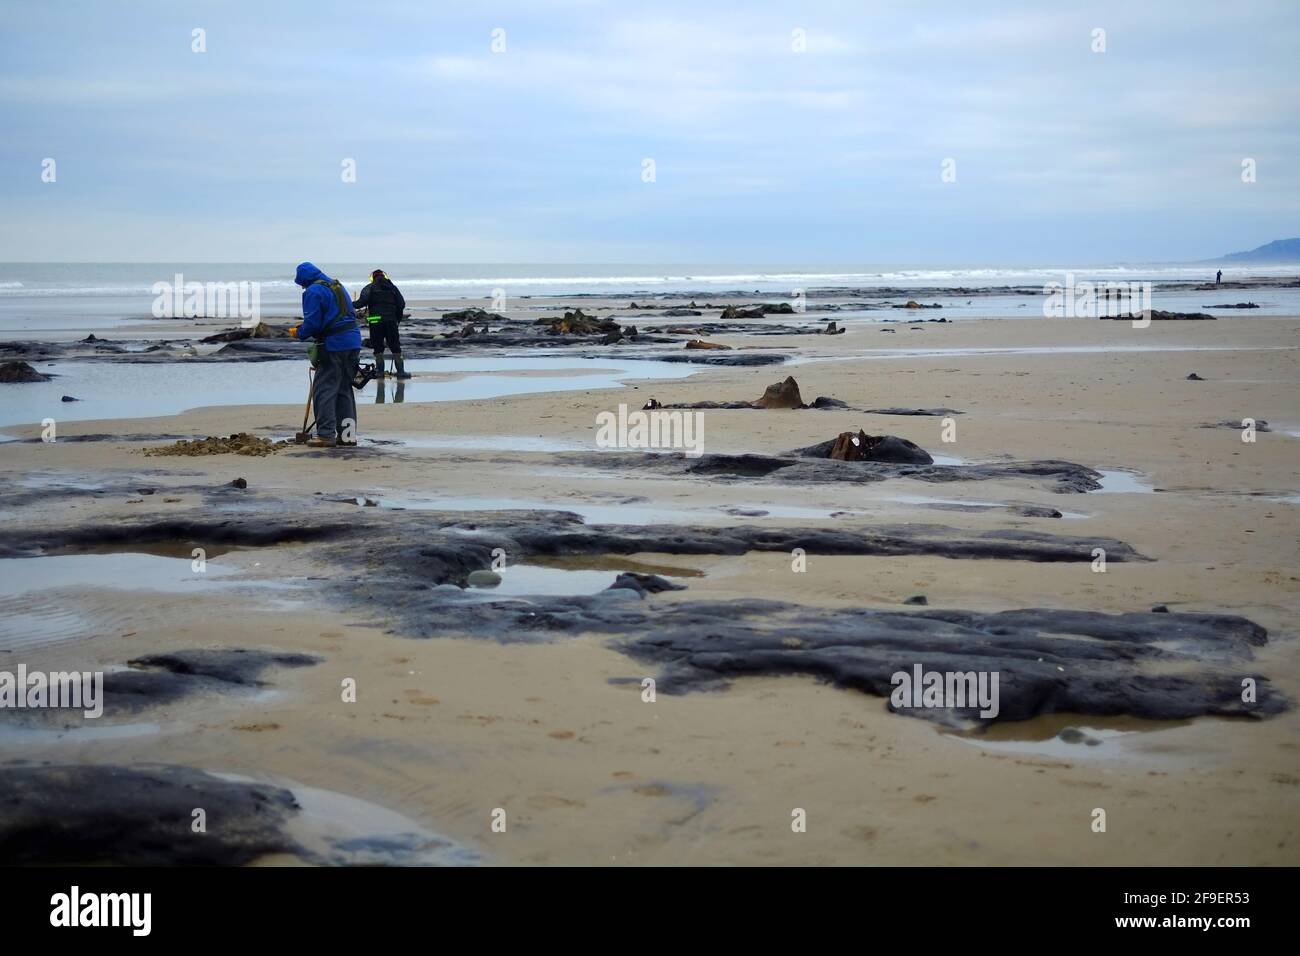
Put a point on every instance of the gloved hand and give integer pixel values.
(293, 330)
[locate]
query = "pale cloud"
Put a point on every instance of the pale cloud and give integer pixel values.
(763, 153)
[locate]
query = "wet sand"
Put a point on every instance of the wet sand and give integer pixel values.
(444, 731)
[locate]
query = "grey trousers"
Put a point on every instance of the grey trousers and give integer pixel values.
(332, 393)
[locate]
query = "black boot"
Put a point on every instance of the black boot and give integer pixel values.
(400, 366)
(379, 365)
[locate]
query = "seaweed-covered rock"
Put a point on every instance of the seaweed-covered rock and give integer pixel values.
(578, 323)
(1156, 315)
(473, 316)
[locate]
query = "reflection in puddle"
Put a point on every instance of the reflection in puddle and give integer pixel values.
(335, 829)
(150, 568)
(1123, 482)
(147, 390)
(137, 572)
(575, 576)
(65, 597)
(536, 443)
(523, 579)
(925, 501)
(345, 831)
(161, 549)
(1068, 736)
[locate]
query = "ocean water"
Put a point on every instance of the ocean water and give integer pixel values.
(37, 297)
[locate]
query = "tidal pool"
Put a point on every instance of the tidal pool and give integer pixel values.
(113, 390)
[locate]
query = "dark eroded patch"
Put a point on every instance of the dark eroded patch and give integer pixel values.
(1156, 666)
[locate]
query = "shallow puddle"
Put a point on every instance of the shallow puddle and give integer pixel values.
(502, 443)
(83, 732)
(525, 579)
(134, 571)
(572, 577)
(160, 549)
(925, 501)
(1123, 482)
(69, 597)
(115, 390)
(1068, 736)
(340, 830)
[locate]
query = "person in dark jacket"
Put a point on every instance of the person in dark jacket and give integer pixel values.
(386, 306)
(328, 320)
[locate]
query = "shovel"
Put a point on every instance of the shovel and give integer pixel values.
(302, 436)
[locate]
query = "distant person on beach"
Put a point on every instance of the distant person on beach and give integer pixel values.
(329, 321)
(386, 306)
(1218, 277)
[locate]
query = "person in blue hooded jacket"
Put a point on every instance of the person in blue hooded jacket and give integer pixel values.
(329, 320)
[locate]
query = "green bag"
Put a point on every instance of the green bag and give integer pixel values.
(314, 353)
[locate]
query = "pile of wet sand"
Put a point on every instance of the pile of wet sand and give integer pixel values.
(241, 443)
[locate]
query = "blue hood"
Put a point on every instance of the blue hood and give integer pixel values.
(321, 314)
(307, 274)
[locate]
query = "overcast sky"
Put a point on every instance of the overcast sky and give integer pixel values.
(762, 154)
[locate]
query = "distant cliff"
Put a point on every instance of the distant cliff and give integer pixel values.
(1277, 252)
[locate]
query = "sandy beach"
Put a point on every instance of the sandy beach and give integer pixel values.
(460, 713)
